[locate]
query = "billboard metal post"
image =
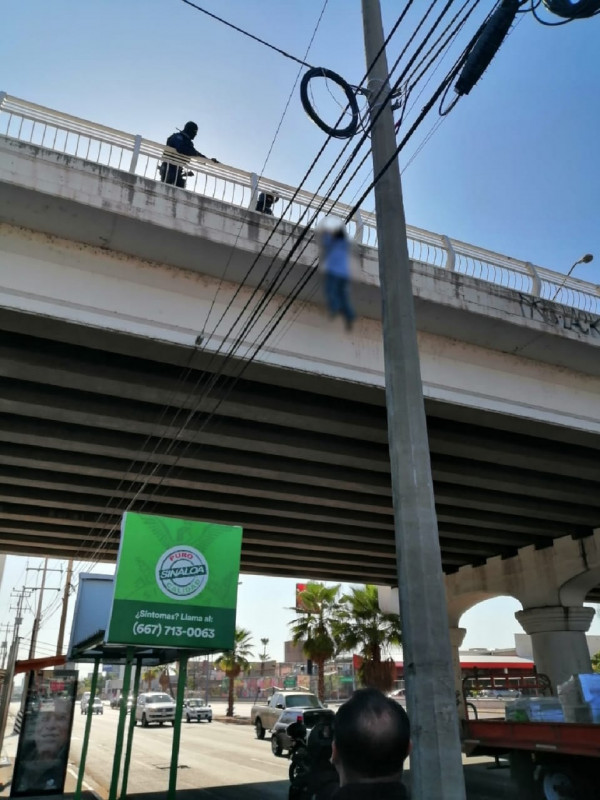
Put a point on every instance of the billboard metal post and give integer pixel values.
(129, 745)
(181, 682)
(88, 727)
(114, 781)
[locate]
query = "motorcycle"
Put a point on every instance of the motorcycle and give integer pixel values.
(298, 754)
(311, 773)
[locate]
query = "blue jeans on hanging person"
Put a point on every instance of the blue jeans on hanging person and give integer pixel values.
(337, 294)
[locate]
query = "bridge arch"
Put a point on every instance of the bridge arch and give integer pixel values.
(574, 591)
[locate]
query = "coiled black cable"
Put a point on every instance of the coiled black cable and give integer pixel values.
(322, 72)
(581, 9)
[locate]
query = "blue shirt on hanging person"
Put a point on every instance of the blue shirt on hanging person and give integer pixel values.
(336, 254)
(177, 154)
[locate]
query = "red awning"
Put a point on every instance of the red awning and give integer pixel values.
(523, 666)
(35, 664)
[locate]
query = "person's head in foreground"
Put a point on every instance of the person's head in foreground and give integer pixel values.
(371, 739)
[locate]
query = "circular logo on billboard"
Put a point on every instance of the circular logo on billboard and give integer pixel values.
(181, 573)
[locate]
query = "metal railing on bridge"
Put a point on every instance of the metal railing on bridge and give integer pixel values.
(63, 133)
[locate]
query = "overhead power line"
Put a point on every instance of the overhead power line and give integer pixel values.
(248, 34)
(265, 162)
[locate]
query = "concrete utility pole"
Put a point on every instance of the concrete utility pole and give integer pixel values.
(10, 667)
(38, 616)
(4, 644)
(436, 768)
(65, 605)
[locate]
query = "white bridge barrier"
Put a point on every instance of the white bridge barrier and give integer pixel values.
(53, 130)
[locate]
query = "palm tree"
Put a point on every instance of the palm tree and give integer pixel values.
(164, 679)
(232, 662)
(362, 626)
(149, 675)
(317, 609)
(264, 656)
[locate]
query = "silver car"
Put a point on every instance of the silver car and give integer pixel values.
(96, 707)
(155, 707)
(197, 709)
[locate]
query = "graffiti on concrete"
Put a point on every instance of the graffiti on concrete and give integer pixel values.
(574, 319)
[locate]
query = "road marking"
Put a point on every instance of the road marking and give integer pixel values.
(85, 785)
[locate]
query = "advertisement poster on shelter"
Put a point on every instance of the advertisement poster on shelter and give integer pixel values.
(176, 583)
(43, 749)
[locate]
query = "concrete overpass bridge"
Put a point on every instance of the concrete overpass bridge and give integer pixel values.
(142, 368)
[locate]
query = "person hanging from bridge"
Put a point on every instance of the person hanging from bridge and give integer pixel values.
(335, 260)
(177, 154)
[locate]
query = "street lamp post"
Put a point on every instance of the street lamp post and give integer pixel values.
(586, 259)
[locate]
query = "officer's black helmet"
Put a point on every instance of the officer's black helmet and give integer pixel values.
(191, 129)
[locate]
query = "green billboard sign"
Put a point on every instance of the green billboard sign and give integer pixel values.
(176, 583)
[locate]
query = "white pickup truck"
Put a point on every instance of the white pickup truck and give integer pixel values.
(264, 716)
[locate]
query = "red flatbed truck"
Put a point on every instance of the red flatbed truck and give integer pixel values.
(548, 760)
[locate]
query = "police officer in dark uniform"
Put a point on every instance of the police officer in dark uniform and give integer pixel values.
(177, 155)
(265, 203)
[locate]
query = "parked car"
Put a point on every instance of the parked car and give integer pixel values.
(115, 702)
(193, 708)
(155, 707)
(265, 715)
(95, 708)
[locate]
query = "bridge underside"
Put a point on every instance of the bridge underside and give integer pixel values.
(93, 423)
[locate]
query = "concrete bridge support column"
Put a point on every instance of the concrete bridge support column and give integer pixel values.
(457, 636)
(558, 639)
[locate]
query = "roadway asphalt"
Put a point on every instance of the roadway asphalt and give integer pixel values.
(218, 760)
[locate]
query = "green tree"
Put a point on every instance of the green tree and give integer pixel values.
(362, 626)
(596, 662)
(232, 662)
(149, 675)
(264, 656)
(164, 678)
(318, 607)
(100, 684)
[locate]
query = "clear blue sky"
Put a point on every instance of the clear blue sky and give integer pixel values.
(514, 167)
